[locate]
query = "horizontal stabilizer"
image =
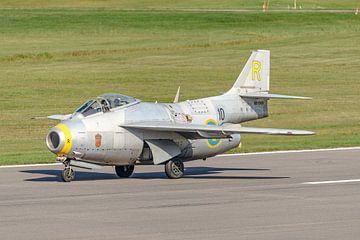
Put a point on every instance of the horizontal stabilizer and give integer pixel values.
(269, 95)
(207, 131)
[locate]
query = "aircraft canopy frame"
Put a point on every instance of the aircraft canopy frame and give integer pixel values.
(106, 102)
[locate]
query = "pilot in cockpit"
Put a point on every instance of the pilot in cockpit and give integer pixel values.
(105, 106)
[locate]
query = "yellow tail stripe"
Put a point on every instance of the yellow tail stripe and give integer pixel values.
(68, 139)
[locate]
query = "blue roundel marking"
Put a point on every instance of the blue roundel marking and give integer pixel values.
(212, 142)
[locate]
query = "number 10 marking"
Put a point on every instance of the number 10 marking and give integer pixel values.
(221, 113)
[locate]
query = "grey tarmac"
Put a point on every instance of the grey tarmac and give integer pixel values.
(226, 197)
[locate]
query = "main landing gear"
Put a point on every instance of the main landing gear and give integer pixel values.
(174, 168)
(68, 174)
(124, 171)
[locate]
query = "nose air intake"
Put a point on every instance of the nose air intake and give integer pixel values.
(54, 140)
(59, 140)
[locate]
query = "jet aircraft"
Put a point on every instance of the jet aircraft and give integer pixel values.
(122, 131)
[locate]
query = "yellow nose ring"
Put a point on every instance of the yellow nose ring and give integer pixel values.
(68, 139)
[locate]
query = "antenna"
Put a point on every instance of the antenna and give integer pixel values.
(176, 99)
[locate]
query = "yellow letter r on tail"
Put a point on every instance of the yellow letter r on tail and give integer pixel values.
(256, 66)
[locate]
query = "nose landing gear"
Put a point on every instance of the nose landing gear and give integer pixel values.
(68, 174)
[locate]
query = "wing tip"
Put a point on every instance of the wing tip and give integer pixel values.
(305, 98)
(302, 133)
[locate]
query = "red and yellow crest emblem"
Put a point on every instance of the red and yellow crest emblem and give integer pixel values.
(98, 140)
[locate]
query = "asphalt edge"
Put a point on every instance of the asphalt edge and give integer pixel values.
(220, 155)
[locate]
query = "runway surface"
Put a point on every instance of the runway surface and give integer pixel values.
(309, 195)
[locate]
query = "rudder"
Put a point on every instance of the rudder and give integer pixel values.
(255, 76)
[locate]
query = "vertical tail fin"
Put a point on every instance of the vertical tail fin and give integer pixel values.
(255, 76)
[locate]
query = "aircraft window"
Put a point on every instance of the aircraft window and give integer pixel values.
(104, 103)
(116, 100)
(93, 108)
(84, 106)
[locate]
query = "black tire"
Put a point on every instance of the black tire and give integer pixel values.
(124, 171)
(68, 175)
(174, 168)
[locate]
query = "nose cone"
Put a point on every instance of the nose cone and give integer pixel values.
(59, 140)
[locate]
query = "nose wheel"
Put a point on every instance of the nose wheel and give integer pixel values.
(174, 168)
(68, 174)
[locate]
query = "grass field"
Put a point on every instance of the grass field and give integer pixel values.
(53, 57)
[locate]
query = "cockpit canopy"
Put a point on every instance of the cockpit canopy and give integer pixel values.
(104, 103)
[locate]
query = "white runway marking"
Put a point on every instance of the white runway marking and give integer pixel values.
(291, 151)
(329, 182)
(30, 165)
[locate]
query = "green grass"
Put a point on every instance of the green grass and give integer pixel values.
(54, 59)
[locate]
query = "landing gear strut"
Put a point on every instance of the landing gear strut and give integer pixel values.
(68, 174)
(124, 171)
(174, 168)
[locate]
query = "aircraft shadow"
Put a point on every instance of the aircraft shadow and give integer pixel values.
(207, 173)
(53, 175)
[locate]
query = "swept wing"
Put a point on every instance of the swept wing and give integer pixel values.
(207, 131)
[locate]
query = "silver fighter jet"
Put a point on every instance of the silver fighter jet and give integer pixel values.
(122, 131)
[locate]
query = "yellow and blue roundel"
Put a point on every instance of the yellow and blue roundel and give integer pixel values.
(213, 142)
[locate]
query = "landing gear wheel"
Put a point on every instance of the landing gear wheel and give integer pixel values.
(174, 169)
(68, 174)
(124, 171)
